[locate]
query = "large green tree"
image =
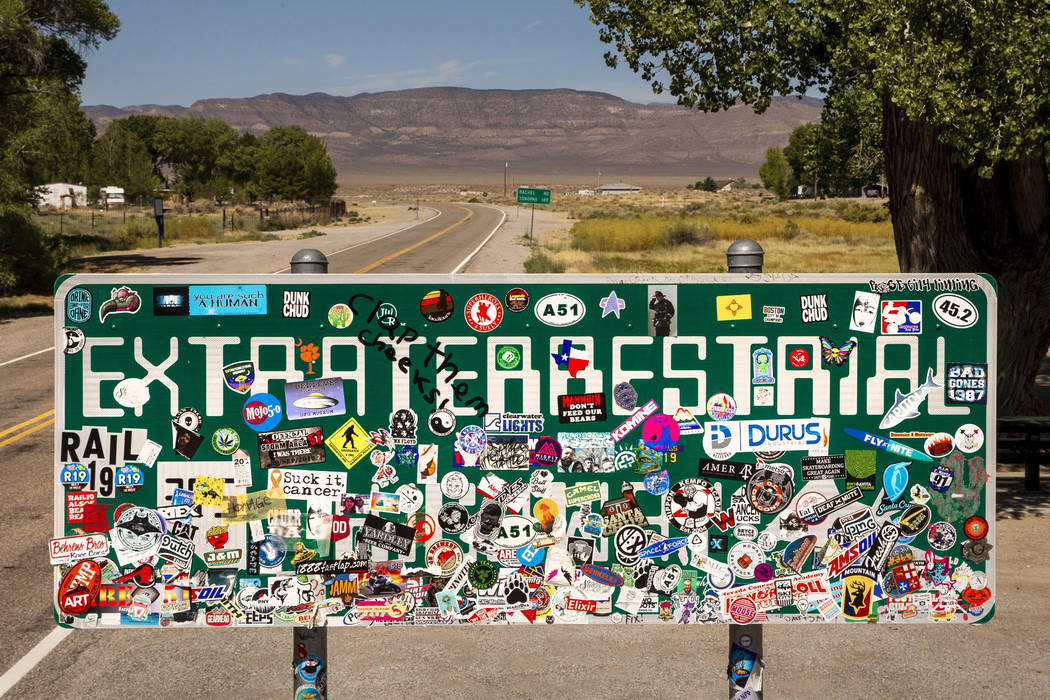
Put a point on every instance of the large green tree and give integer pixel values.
(193, 148)
(120, 158)
(775, 173)
(293, 165)
(41, 67)
(959, 90)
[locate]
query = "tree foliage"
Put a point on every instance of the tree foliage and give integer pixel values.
(120, 158)
(974, 71)
(292, 164)
(43, 135)
(956, 91)
(775, 173)
(207, 158)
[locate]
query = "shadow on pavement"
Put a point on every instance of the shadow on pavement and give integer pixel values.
(121, 262)
(1012, 501)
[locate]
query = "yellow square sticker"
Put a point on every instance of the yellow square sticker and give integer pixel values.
(208, 490)
(349, 443)
(735, 307)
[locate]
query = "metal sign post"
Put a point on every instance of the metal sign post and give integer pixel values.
(533, 196)
(310, 644)
(746, 664)
(158, 214)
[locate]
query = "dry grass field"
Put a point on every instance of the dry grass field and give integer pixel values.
(688, 231)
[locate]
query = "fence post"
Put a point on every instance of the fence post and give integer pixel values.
(310, 644)
(745, 255)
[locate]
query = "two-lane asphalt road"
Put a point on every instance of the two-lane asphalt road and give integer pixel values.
(439, 244)
(442, 244)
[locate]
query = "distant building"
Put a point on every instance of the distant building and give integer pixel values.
(585, 193)
(61, 195)
(111, 196)
(618, 188)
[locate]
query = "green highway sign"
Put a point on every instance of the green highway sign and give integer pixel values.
(481, 449)
(533, 195)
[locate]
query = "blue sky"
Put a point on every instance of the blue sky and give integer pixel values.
(192, 50)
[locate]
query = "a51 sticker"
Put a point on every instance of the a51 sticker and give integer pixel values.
(955, 311)
(560, 309)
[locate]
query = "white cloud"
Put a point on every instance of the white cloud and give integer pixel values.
(532, 25)
(334, 59)
(445, 73)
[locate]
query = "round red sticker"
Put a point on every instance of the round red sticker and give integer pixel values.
(743, 611)
(799, 358)
(483, 312)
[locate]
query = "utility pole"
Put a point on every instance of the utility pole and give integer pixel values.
(506, 165)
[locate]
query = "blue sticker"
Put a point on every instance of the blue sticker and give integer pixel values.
(272, 551)
(531, 556)
(262, 412)
(662, 548)
(78, 305)
(895, 479)
(309, 667)
(657, 483)
(75, 475)
(228, 300)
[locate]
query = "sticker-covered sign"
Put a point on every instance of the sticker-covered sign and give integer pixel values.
(593, 449)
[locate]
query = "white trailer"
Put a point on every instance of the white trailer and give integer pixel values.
(62, 195)
(110, 196)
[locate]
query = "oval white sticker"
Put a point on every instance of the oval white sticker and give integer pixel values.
(514, 531)
(954, 310)
(560, 309)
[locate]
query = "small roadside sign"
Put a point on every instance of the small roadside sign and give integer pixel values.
(533, 195)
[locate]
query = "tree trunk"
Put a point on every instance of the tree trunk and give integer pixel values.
(948, 219)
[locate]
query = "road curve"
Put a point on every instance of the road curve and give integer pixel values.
(435, 246)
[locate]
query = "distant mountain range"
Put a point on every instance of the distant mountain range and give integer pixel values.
(464, 134)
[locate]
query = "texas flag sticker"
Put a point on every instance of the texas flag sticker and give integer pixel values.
(571, 358)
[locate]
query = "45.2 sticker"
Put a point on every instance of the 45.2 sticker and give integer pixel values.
(955, 311)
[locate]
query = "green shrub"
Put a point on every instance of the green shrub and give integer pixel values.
(790, 231)
(861, 213)
(29, 259)
(538, 262)
(686, 232)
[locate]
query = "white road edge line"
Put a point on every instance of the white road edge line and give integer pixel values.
(23, 357)
(24, 665)
(373, 240)
(487, 239)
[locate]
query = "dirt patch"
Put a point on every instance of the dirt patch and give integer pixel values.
(508, 249)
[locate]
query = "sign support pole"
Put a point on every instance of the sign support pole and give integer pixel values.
(532, 223)
(158, 214)
(745, 255)
(310, 644)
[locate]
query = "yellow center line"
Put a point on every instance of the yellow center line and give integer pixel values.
(26, 432)
(390, 257)
(13, 428)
